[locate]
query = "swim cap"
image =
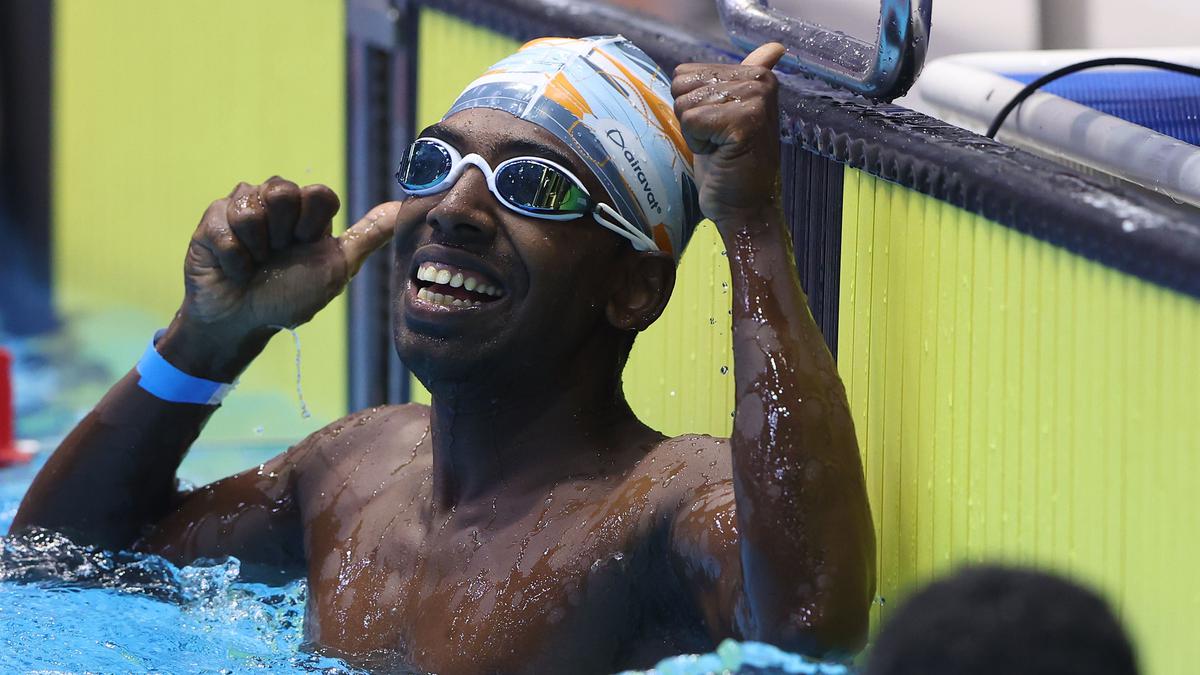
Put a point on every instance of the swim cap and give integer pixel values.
(612, 105)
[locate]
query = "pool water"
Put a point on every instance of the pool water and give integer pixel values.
(66, 607)
(71, 608)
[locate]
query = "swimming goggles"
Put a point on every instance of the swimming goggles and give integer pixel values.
(531, 186)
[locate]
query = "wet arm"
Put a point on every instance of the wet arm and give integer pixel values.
(806, 542)
(254, 516)
(114, 474)
(264, 256)
(804, 574)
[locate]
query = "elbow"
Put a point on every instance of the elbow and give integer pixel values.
(832, 623)
(824, 632)
(822, 608)
(821, 632)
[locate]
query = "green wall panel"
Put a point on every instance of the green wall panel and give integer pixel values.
(1017, 402)
(159, 108)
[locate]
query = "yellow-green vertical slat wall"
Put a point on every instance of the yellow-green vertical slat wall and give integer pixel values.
(674, 379)
(1017, 402)
(159, 108)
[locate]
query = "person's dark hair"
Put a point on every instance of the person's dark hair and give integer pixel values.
(1002, 621)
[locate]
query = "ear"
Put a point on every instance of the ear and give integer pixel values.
(642, 292)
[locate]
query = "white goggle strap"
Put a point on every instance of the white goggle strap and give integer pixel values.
(608, 217)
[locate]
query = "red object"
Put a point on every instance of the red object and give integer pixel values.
(9, 454)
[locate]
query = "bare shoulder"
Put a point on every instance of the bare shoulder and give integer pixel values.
(702, 445)
(687, 467)
(695, 454)
(350, 440)
(701, 505)
(693, 489)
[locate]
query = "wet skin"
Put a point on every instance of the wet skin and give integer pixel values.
(527, 521)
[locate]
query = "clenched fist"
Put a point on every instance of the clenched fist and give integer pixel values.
(730, 119)
(264, 257)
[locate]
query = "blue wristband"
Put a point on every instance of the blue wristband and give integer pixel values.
(164, 381)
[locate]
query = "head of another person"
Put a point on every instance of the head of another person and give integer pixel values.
(545, 215)
(999, 621)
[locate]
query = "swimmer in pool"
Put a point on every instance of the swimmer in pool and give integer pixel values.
(526, 521)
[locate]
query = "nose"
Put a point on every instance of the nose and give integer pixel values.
(466, 213)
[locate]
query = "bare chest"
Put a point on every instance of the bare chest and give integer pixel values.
(468, 593)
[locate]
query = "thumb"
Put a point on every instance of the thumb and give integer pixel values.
(766, 55)
(368, 235)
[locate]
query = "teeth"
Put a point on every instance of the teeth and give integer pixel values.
(444, 300)
(431, 273)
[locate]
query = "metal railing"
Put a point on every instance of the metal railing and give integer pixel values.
(882, 72)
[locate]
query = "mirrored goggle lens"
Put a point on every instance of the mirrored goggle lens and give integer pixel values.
(539, 187)
(425, 164)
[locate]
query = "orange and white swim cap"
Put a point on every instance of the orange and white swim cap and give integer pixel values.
(612, 105)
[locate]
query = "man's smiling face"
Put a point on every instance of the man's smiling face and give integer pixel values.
(531, 291)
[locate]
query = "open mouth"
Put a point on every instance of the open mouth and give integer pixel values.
(452, 287)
